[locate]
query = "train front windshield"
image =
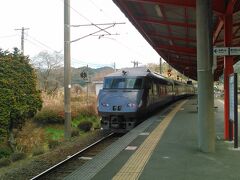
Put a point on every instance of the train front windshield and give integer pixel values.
(122, 83)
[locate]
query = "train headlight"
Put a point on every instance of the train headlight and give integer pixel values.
(105, 104)
(132, 105)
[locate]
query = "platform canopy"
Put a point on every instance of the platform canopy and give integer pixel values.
(169, 26)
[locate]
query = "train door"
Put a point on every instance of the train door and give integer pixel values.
(150, 91)
(155, 92)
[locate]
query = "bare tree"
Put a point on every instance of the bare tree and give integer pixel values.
(47, 65)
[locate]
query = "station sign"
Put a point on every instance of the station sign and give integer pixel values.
(234, 51)
(220, 51)
(232, 99)
(226, 51)
(233, 108)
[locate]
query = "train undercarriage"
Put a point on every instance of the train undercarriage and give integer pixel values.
(118, 123)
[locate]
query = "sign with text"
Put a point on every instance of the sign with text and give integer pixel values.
(220, 51)
(234, 51)
(226, 51)
(232, 93)
(233, 107)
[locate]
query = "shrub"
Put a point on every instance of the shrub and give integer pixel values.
(4, 162)
(97, 125)
(48, 116)
(5, 152)
(37, 151)
(75, 132)
(85, 125)
(53, 144)
(83, 117)
(19, 97)
(54, 133)
(18, 156)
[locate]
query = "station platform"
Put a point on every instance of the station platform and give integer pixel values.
(165, 147)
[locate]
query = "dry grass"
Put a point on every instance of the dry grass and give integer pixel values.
(53, 102)
(80, 103)
(33, 139)
(30, 137)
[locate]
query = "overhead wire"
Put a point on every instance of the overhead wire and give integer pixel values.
(106, 15)
(43, 44)
(87, 19)
(8, 36)
(119, 42)
(101, 10)
(74, 60)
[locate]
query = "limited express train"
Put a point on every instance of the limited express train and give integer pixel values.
(131, 93)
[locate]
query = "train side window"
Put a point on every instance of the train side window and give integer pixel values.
(147, 84)
(150, 87)
(167, 87)
(134, 83)
(154, 88)
(159, 89)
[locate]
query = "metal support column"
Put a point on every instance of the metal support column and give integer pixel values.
(67, 71)
(206, 121)
(160, 65)
(228, 69)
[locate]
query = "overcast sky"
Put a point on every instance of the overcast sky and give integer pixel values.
(44, 18)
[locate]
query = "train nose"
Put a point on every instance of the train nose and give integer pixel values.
(115, 103)
(123, 104)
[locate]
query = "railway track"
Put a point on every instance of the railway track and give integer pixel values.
(67, 166)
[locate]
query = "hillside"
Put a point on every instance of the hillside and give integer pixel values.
(55, 79)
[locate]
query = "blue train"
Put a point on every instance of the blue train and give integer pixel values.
(131, 93)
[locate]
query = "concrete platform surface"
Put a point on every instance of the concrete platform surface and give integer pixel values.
(167, 149)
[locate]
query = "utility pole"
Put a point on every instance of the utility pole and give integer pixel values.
(114, 66)
(160, 65)
(67, 62)
(87, 85)
(22, 38)
(67, 71)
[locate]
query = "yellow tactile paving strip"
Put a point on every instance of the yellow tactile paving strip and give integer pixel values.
(136, 163)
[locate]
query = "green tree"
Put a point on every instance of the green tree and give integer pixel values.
(19, 98)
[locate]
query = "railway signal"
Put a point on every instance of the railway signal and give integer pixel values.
(83, 75)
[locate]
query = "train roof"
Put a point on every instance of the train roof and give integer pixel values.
(142, 72)
(138, 72)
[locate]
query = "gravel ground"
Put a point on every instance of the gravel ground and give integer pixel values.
(28, 168)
